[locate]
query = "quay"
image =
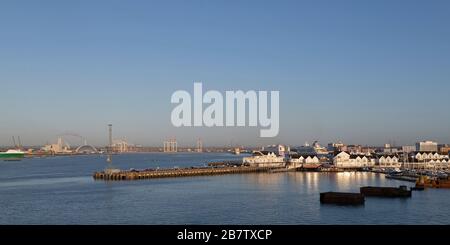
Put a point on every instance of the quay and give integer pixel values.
(171, 173)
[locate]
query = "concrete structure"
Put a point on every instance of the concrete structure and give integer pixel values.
(427, 146)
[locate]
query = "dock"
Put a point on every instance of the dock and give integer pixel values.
(172, 173)
(401, 177)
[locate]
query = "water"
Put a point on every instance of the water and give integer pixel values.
(61, 190)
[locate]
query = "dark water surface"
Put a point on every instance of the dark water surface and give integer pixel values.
(61, 190)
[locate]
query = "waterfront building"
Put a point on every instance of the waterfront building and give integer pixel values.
(346, 160)
(297, 161)
(264, 159)
(429, 157)
(427, 146)
(388, 161)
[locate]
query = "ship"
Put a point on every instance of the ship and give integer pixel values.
(12, 155)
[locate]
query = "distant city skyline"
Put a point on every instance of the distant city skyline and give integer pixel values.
(366, 73)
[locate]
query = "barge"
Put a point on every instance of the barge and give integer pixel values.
(371, 191)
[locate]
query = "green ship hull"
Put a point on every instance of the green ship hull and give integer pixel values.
(6, 156)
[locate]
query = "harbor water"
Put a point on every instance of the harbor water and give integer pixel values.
(61, 190)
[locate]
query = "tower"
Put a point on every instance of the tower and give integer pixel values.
(199, 145)
(109, 149)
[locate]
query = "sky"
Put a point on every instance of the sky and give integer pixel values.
(363, 72)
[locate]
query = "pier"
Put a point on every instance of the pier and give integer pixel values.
(171, 173)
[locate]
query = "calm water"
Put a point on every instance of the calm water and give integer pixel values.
(60, 190)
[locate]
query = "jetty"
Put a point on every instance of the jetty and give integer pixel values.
(172, 173)
(401, 177)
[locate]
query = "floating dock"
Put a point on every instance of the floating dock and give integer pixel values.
(171, 173)
(401, 177)
(401, 191)
(342, 198)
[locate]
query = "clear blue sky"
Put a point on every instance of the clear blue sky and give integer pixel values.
(364, 72)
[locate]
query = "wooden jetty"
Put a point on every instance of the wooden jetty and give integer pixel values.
(401, 191)
(342, 198)
(171, 173)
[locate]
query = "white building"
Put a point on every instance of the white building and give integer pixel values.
(346, 160)
(301, 159)
(427, 146)
(388, 161)
(264, 159)
(430, 156)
